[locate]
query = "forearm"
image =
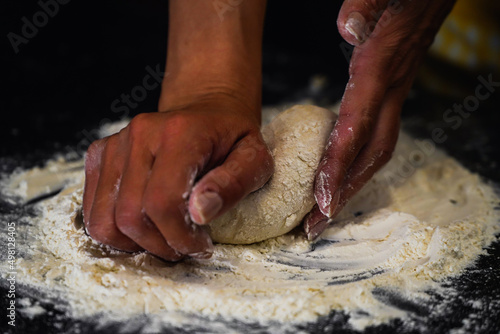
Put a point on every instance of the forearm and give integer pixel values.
(212, 53)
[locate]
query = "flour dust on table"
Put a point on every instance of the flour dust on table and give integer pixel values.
(420, 221)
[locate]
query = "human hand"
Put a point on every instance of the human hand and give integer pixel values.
(390, 39)
(139, 190)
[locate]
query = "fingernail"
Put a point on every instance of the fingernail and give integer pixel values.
(327, 202)
(323, 194)
(201, 255)
(317, 229)
(167, 258)
(355, 25)
(329, 210)
(207, 205)
(204, 241)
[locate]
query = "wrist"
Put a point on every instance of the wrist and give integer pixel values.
(187, 83)
(212, 56)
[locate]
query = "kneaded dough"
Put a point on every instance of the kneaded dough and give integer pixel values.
(297, 139)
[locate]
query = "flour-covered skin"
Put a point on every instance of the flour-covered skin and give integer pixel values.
(403, 232)
(391, 39)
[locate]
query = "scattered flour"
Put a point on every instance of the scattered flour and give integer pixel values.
(403, 234)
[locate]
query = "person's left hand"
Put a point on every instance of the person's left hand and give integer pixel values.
(391, 38)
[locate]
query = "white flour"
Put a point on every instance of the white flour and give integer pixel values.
(402, 235)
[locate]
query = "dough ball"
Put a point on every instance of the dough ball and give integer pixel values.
(297, 139)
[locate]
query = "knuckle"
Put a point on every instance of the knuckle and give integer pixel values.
(111, 143)
(108, 149)
(234, 167)
(93, 155)
(94, 147)
(223, 181)
(177, 121)
(224, 178)
(137, 126)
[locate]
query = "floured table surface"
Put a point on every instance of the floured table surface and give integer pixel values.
(394, 260)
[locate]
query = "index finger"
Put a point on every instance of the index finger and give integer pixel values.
(358, 113)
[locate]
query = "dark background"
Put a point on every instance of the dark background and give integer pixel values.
(60, 86)
(65, 78)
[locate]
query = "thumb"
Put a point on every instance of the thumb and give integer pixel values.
(246, 169)
(358, 18)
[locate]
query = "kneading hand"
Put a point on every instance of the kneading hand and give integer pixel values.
(391, 39)
(139, 182)
(153, 185)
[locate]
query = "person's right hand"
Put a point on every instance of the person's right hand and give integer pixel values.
(155, 183)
